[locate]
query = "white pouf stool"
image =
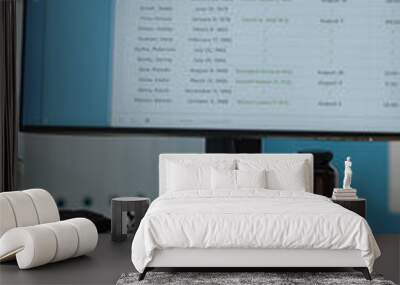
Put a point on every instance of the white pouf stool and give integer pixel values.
(31, 230)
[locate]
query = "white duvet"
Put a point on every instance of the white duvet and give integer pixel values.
(250, 219)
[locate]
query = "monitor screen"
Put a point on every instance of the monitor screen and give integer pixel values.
(234, 65)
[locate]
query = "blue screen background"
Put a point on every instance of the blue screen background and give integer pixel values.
(76, 66)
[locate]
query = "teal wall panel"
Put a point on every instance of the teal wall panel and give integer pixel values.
(370, 173)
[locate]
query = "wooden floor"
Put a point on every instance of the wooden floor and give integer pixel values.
(110, 260)
(389, 262)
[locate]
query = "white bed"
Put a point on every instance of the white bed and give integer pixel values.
(249, 227)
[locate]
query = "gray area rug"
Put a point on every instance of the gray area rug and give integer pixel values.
(228, 278)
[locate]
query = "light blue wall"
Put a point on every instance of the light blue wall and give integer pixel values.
(68, 53)
(370, 174)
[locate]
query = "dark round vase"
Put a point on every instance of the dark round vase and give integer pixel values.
(325, 174)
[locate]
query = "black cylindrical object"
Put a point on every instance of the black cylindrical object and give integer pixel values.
(325, 174)
(127, 212)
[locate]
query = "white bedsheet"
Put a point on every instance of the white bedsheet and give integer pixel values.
(250, 219)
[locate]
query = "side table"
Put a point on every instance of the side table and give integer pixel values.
(357, 205)
(127, 212)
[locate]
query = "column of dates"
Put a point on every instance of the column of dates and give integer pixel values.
(208, 69)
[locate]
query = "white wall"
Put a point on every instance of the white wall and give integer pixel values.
(73, 167)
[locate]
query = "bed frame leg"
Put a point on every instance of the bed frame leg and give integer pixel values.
(143, 274)
(364, 271)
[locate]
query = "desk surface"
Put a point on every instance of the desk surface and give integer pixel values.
(102, 266)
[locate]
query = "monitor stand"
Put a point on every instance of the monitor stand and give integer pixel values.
(232, 145)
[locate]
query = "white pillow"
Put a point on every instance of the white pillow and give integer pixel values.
(223, 179)
(251, 179)
(281, 174)
(237, 179)
(189, 175)
(182, 177)
(292, 178)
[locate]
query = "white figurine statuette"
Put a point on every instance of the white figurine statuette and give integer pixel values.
(348, 173)
(347, 192)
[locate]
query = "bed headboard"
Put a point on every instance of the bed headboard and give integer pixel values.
(164, 158)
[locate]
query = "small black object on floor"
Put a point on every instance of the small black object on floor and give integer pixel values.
(102, 223)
